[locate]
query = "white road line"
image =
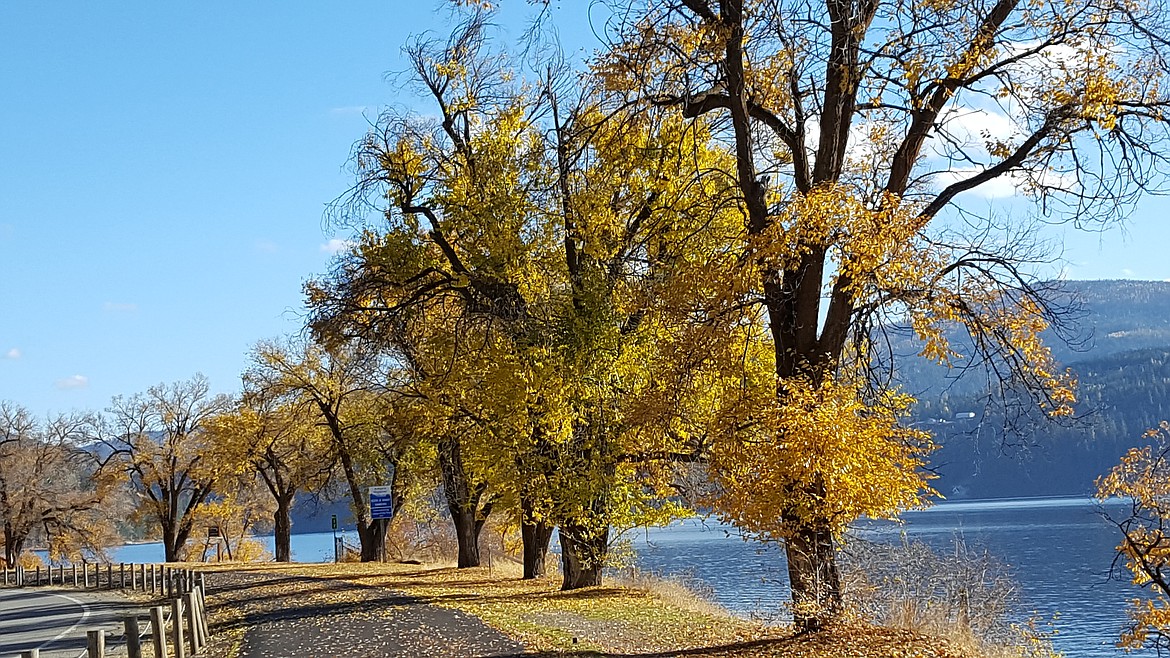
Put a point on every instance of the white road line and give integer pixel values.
(84, 616)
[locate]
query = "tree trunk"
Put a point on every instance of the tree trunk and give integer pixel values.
(536, 537)
(583, 552)
(372, 537)
(815, 580)
(535, 470)
(282, 529)
(13, 546)
(462, 502)
(169, 542)
(467, 534)
(370, 533)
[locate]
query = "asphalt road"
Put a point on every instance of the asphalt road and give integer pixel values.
(56, 620)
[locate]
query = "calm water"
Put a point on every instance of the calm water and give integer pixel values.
(1059, 551)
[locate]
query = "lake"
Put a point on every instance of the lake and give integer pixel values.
(1059, 551)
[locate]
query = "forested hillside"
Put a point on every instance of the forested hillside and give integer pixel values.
(1120, 351)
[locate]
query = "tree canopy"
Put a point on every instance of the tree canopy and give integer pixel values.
(158, 441)
(854, 125)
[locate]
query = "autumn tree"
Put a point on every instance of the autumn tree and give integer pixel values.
(340, 389)
(281, 444)
(158, 440)
(855, 126)
(239, 506)
(526, 232)
(49, 485)
(1141, 482)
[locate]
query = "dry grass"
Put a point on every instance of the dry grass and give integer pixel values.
(639, 618)
(677, 591)
(963, 595)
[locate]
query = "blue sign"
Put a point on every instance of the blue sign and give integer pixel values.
(381, 503)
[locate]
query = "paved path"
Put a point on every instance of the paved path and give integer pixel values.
(285, 615)
(55, 620)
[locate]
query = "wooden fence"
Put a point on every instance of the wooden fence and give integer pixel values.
(178, 628)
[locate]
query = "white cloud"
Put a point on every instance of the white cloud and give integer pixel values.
(267, 246)
(12, 354)
(1003, 187)
(335, 246)
(1127, 273)
(76, 381)
(119, 307)
(975, 128)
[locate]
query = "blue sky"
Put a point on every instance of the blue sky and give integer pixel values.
(164, 168)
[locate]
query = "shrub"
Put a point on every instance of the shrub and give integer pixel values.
(964, 595)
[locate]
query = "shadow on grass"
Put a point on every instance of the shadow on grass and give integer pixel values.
(265, 595)
(736, 650)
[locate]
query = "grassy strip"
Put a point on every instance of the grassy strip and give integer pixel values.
(611, 620)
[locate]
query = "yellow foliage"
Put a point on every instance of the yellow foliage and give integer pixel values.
(1142, 478)
(817, 456)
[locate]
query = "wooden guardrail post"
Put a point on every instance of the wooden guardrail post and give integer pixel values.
(204, 630)
(38, 580)
(133, 642)
(158, 632)
(197, 619)
(121, 575)
(110, 575)
(95, 642)
(189, 616)
(177, 628)
(152, 579)
(74, 575)
(31, 653)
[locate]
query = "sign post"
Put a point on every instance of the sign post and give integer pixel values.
(381, 511)
(336, 548)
